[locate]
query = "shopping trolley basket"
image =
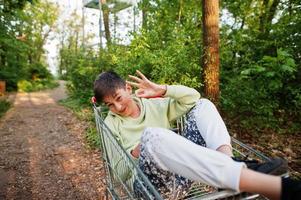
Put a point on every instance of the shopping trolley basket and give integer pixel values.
(123, 174)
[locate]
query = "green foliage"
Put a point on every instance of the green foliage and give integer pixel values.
(173, 60)
(81, 76)
(261, 64)
(259, 94)
(259, 54)
(84, 113)
(93, 137)
(38, 71)
(4, 106)
(169, 50)
(25, 86)
(24, 28)
(36, 85)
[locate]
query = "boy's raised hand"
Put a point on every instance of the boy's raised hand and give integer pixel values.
(146, 88)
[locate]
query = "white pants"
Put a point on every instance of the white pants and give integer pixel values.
(174, 153)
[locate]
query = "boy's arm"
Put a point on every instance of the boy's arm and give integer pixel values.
(181, 100)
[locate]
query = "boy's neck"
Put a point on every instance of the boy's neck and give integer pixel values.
(136, 112)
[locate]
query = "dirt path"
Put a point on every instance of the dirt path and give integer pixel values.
(42, 151)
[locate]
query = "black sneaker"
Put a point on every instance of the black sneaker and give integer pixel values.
(249, 162)
(291, 189)
(275, 166)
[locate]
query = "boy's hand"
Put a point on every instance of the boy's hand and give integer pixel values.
(136, 151)
(146, 88)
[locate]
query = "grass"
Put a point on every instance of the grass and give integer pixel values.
(84, 113)
(4, 106)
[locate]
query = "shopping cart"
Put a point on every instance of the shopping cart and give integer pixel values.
(123, 176)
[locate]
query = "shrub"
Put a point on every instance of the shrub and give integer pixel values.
(259, 95)
(24, 86)
(4, 106)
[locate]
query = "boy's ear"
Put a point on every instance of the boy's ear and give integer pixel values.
(128, 88)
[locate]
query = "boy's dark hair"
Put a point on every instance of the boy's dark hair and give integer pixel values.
(106, 84)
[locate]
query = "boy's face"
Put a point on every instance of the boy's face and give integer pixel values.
(121, 102)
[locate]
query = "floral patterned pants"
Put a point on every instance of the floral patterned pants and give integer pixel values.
(171, 161)
(169, 185)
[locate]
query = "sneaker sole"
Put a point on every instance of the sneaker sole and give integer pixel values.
(281, 169)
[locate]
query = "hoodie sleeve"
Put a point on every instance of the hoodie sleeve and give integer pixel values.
(181, 100)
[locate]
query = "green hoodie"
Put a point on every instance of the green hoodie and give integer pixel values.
(155, 112)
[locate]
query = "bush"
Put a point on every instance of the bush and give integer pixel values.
(25, 86)
(4, 106)
(38, 84)
(259, 95)
(38, 71)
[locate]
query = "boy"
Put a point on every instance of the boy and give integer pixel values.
(141, 124)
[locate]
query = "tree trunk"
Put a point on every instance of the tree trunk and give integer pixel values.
(269, 9)
(210, 58)
(105, 12)
(145, 5)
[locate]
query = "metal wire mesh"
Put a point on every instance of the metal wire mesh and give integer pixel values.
(126, 181)
(122, 173)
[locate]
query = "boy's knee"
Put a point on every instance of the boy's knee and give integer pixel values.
(148, 134)
(206, 104)
(150, 137)
(153, 138)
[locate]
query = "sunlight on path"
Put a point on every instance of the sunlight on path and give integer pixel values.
(39, 98)
(43, 154)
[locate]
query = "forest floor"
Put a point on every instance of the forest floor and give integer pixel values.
(43, 153)
(272, 144)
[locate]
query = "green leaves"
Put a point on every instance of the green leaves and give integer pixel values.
(23, 33)
(262, 88)
(4, 106)
(260, 60)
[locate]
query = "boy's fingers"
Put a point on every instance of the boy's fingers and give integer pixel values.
(140, 93)
(141, 75)
(135, 78)
(133, 84)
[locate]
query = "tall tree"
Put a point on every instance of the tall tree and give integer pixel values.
(106, 21)
(25, 26)
(40, 21)
(268, 11)
(210, 57)
(144, 7)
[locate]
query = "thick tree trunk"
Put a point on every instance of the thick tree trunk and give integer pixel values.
(105, 11)
(210, 58)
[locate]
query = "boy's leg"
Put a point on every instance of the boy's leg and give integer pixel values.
(171, 152)
(168, 184)
(204, 126)
(267, 185)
